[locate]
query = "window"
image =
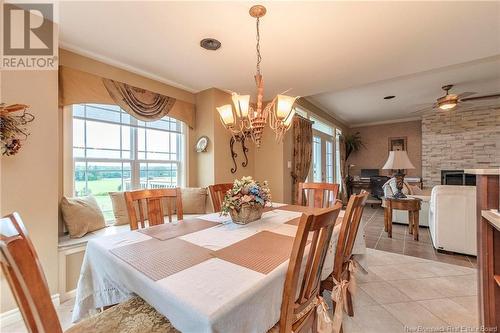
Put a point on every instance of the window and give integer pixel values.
(329, 161)
(322, 127)
(317, 172)
(338, 175)
(325, 166)
(113, 151)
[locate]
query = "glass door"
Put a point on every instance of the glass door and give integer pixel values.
(322, 169)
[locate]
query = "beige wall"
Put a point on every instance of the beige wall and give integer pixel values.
(201, 165)
(376, 140)
(269, 164)
(223, 160)
(30, 179)
(214, 165)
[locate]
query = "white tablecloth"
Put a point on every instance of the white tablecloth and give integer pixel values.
(213, 296)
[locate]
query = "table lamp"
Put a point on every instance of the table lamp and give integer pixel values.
(398, 160)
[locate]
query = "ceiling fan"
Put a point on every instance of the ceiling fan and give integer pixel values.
(450, 101)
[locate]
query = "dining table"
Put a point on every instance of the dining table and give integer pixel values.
(204, 274)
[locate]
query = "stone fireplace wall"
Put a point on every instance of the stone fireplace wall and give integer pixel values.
(459, 140)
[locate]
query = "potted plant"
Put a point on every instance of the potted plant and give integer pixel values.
(245, 201)
(353, 143)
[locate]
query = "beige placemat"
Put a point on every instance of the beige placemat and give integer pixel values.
(300, 209)
(261, 252)
(296, 221)
(181, 228)
(158, 259)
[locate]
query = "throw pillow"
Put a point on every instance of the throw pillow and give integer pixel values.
(194, 200)
(120, 208)
(82, 215)
(415, 190)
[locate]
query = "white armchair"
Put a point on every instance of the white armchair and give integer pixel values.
(452, 218)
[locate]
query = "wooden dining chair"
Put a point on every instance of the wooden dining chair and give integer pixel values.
(24, 273)
(302, 283)
(345, 244)
(155, 200)
(217, 193)
(318, 195)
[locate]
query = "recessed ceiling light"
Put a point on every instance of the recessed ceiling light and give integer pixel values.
(211, 44)
(389, 97)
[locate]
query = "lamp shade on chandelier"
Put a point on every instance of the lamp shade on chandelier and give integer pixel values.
(242, 118)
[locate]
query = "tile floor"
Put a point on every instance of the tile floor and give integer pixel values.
(402, 242)
(399, 294)
(410, 294)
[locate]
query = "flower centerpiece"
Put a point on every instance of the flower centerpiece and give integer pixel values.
(245, 201)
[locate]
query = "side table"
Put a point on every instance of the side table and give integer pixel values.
(412, 205)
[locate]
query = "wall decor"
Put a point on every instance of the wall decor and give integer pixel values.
(202, 144)
(13, 131)
(239, 138)
(398, 143)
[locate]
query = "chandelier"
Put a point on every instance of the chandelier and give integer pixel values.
(243, 119)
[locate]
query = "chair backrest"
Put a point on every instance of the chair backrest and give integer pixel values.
(376, 183)
(154, 199)
(302, 284)
(319, 195)
(24, 273)
(217, 193)
(348, 232)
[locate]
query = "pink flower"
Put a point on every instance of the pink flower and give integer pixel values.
(247, 198)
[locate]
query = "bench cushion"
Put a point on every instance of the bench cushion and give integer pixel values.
(82, 215)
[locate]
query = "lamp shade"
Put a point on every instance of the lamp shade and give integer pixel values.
(241, 104)
(284, 106)
(398, 160)
(226, 114)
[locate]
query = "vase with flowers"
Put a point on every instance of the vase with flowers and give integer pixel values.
(245, 201)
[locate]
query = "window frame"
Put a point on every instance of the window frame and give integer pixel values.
(133, 159)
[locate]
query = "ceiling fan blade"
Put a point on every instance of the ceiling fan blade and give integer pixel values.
(478, 98)
(465, 94)
(465, 105)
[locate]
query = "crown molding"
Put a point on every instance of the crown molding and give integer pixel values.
(124, 66)
(384, 122)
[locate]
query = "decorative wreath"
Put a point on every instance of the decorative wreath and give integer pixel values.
(13, 131)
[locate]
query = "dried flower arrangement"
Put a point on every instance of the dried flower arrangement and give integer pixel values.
(244, 202)
(13, 127)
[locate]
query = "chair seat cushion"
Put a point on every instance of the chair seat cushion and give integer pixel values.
(132, 316)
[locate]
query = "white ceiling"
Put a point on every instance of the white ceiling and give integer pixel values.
(365, 104)
(312, 47)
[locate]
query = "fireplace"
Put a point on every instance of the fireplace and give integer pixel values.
(457, 177)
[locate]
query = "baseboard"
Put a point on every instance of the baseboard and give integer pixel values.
(14, 315)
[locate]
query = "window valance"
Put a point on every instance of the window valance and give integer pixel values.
(79, 87)
(140, 103)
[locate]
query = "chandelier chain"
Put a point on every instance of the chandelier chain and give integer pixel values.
(259, 57)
